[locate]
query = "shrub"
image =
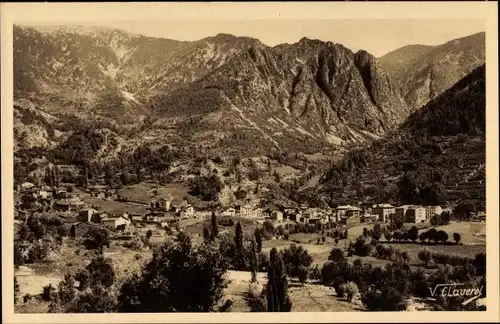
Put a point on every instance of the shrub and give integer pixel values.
(340, 291)
(388, 299)
(302, 274)
(425, 255)
(441, 236)
(255, 298)
(350, 290)
(315, 273)
(413, 233)
(388, 236)
(457, 238)
(362, 247)
(47, 293)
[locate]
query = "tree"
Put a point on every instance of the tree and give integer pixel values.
(276, 290)
(258, 239)
(16, 290)
(377, 232)
(254, 260)
(388, 236)
(425, 255)
(100, 271)
(240, 261)
(179, 278)
(97, 239)
(336, 255)
(431, 235)
(365, 232)
(215, 227)
(294, 257)
(441, 236)
(206, 234)
(480, 264)
(457, 238)
(413, 234)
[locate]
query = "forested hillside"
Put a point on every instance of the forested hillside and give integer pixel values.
(437, 155)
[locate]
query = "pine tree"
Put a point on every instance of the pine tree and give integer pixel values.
(254, 262)
(238, 242)
(215, 227)
(258, 239)
(16, 290)
(278, 299)
(206, 234)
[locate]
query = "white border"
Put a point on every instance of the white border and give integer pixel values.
(95, 12)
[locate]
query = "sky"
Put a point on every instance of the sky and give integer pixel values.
(375, 36)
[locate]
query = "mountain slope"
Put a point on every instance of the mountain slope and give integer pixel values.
(428, 72)
(308, 92)
(77, 63)
(437, 155)
(399, 58)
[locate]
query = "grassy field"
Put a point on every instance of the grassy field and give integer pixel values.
(111, 206)
(144, 192)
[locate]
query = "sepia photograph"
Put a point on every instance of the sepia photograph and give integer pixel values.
(249, 165)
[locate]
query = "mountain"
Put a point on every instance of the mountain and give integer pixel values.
(424, 72)
(66, 68)
(299, 96)
(436, 156)
(218, 92)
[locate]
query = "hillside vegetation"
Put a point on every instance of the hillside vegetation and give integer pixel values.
(436, 156)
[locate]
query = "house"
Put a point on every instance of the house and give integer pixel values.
(88, 215)
(368, 218)
(61, 193)
(430, 211)
(98, 191)
(230, 212)
(415, 214)
(341, 211)
(246, 211)
(187, 212)
(136, 218)
(116, 221)
(202, 214)
(481, 216)
(312, 213)
(161, 204)
(384, 211)
(297, 217)
(315, 220)
(400, 213)
(353, 212)
(27, 186)
(276, 215)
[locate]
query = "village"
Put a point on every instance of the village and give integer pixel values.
(164, 212)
